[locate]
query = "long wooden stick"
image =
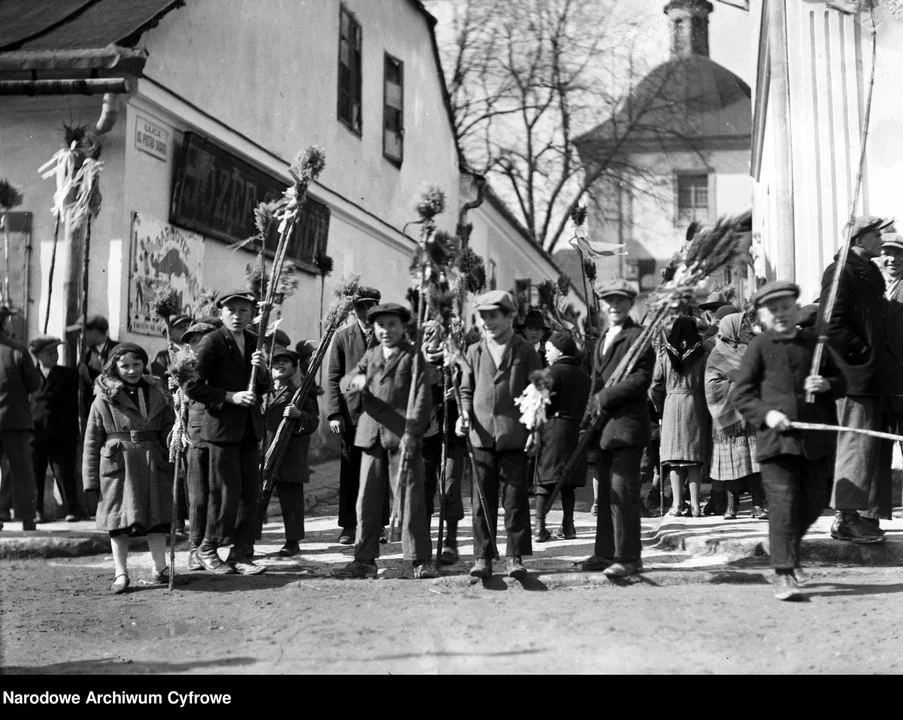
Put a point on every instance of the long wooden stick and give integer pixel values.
(840, 428)
(56, 236)
(83, 342)
(840, 264)
(442, 467)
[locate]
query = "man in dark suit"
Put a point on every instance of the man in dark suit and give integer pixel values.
(624, 435)
(892, 373)
(99, 345)
(18, 378)
(55, 410)
(856, 330)
(344, 411)
(223, 469)
(389, 429)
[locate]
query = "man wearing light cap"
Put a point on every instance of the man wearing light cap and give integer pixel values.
(618, 546)
(344, 411)
(99, 345)
(856, 331)
(891, 264)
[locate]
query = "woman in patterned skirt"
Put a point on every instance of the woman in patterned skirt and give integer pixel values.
(733, 440)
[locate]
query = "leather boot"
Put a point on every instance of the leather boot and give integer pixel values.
(194, 563)
(731, 512)
(211, 562)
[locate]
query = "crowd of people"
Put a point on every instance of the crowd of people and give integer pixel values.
(715, 400)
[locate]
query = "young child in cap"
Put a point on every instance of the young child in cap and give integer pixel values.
(294, 471)
(224, 466)
(387, 431)
(177, 324)
(126, 460)
(771, 393)
(568, 386)
(56, 434)
(496, 371)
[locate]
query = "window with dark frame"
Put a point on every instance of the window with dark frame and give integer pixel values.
(349, 110)
(393, 109)
(692, 197)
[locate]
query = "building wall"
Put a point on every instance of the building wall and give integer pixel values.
(646, 218)
(829, 64)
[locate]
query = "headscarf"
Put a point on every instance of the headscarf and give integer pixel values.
(683, 343)
(723, 359)
(117, 352)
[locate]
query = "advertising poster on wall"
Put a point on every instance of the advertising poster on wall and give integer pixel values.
(162, 256)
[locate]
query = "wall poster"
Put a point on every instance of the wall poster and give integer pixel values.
(161, 256)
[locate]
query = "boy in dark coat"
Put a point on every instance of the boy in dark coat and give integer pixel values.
(293, 472)
(56, 435)
(99, 346)
(386, 432)
(624, 435)
(344, 411)
(18, 378)
(771, 393)
(224, 466)
(496, 371)
(568, 386)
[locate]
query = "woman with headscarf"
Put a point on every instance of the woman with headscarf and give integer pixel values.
(678, 392)
(126, 460)
(733, 439)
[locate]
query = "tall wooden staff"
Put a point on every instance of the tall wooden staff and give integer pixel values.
(306, 167)
(841, 262)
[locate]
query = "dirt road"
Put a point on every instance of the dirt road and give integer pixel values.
(57, 616)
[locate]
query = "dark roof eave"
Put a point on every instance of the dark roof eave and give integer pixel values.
(109, 57)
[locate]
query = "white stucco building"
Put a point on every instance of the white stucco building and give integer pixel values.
(677, 149)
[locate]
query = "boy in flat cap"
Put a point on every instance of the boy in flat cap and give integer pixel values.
(856, 330)
(224, 467)
(178, 324)
(497, 371)
(294, 471)
(618, 546)
(771, 393)
(344, 411)
(56, 435)
(385, 433)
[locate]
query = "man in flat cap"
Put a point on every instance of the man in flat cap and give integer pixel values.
(99, 345)
(891, 264)
(618, 547)
(56, 435)
(856, 331)
(389, 434)
(223, 469)
(18, 378)
(343, 412)
(496, 371)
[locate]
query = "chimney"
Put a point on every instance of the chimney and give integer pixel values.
(689, 27)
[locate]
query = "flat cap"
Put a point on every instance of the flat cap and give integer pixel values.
(198, 328)
(617, 286)
(496, 300)
(282, 339)
(868, 223)
(534, 319)
(95, 322)
(892, 240)
(42, 342)
(177, 320)
(775, 289)
(365, 293)
(240, 294)
(725, 310)
(389, 309)
(286, 352)
(305, 349)
(714, 301)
